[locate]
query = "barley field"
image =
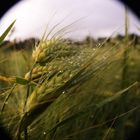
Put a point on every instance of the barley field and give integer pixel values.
(67, 90)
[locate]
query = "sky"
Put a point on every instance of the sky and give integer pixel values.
(79, 18)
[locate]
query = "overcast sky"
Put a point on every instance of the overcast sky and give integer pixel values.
(93, 17)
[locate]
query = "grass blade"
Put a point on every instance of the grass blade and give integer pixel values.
(2, 37)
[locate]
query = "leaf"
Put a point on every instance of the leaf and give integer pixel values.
(2, 37)
(17, 80)
(21, 81)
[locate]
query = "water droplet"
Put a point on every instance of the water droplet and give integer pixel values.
(98, 45)
(104, 57)
(6, 103)
(71, 62)
(28, 113)
(92, 116)
(63, 92)
(22, 135)
(60, 71)
(75, 81)
(71, 75)
(132, 63)
(79, 57)
(49, 72)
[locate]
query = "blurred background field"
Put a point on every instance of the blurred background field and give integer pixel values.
(106, 106)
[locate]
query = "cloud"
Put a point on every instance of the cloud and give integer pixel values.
(96, 17)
